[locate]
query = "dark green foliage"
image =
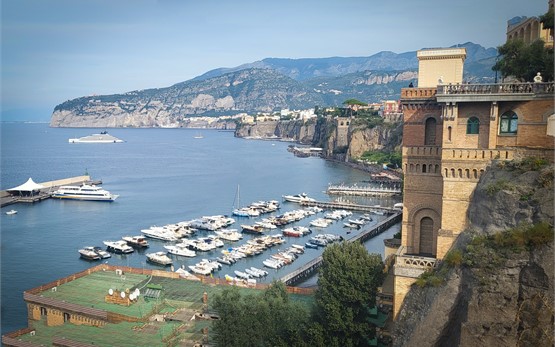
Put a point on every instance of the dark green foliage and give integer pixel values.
(268, 319)
(351, 102)
(523, 61)
(397, 235)
(547, 19)
(348, 281)
(393, 158)
(454, 258)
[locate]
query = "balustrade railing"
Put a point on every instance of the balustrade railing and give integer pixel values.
(497, 88)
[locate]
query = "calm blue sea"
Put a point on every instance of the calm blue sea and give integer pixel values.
(162, 176)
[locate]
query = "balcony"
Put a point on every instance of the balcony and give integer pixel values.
(495, 92)
(418, 93)
(412, 265)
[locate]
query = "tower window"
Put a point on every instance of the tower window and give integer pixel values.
(508, 123)
(430, 132)
(473, 125)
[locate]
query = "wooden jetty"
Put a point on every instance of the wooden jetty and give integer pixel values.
(347, 206)
(364, 190)
(6, 198)
(309, 268)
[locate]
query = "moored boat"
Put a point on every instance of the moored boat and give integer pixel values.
(88, 253)
(11, 212)
(84, 192)
(136, 241)
(180, 250)
(297, 198)
(103, 137)
(159, 258)
(119, 247)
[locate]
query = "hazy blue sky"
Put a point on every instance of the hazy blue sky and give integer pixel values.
(55, 50)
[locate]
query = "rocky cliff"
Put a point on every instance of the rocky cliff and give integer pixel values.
(321, 132)
(501, 291)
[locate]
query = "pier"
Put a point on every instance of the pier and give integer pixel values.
(7, 198)
(330, 205)
(309, 268)
(389, 190)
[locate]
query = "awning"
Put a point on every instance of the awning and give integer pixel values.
(28, 186)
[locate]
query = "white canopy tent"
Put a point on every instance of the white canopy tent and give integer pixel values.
(27, 188)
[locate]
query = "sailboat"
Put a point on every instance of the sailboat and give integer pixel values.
(243, 211)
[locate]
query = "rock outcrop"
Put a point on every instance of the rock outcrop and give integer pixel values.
(504, 297)
(321, 133)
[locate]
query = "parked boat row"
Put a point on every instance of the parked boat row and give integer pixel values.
(283, 258)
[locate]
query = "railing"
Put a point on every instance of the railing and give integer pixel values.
(418, 93)
(497, 88)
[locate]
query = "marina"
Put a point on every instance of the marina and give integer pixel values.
(157, 176)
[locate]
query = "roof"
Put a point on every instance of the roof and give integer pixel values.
(28, 186)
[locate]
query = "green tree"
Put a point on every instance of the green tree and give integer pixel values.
(351, 102)
(347, 288)
(524, 61)
(267, 319)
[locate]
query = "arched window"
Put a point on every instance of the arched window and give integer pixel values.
(508, 123)
(430, 132)
(473, 125)
(423, 168)
(449, 130)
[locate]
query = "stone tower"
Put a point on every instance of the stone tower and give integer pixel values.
(451, 133)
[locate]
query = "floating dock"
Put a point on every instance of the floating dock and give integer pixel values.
(6, 198)
(309, 268)
(364, 190)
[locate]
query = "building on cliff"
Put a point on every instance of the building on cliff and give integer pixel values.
(452, 131)
(530, 29)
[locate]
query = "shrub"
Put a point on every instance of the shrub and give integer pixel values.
(454, 258)
(499, 185)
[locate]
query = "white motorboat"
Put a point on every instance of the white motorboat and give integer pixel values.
(88, 253)
(320, 223)
(119, 247)
(136, 241)
(297, 198)
(272, 263)
(103, 137)
(259, 271)
(241, 274)
(159, 258)
(229, 234)
(11, 212)
(201, 270)
(266, 225)
(181, 250)
(84, 192)
(159, 233)
(102, 253)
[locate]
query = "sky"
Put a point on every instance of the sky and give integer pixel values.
(57, 50)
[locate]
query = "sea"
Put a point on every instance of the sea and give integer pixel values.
(162, 176)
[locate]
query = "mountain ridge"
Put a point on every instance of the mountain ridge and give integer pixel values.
(264, 86)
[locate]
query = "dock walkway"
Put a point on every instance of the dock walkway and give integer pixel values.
(309, 268)
(363, 190)
(347, 206)
(49, 187)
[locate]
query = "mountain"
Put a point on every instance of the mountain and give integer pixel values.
(268, 85)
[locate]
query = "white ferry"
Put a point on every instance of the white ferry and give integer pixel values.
(103, 137)
(84, 192)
